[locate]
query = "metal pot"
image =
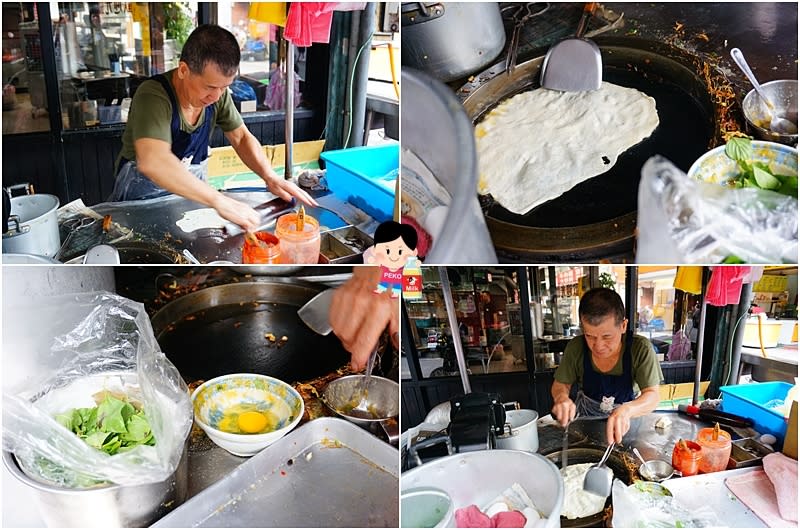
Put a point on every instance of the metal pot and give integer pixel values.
(451, 40)
(106, 506)
(521, 431)
(33, 226)
(381, 396)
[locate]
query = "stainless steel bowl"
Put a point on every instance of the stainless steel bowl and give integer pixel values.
(656, 470)
(783, 94)
(382, 397)
(110, 506)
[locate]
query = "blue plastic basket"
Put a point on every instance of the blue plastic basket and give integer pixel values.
(749, 401)
(364, 177)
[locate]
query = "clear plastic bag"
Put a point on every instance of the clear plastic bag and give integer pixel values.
(644, 505)
(79, 345)
(681, 220)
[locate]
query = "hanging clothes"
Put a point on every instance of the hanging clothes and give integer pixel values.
(269, 12)
(725, 286)
(689, 279)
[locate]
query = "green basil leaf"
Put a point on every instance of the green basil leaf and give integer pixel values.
(765, 179)
(138, 429)
(96, 439)
(739, 149)
(109, 414)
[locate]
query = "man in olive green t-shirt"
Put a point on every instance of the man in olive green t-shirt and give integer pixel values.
(166, 140)
(609, 366)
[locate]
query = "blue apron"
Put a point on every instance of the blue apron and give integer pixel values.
(601, 393)
(190, 148)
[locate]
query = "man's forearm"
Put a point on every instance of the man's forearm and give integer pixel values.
(167, 172)
(559, 391)
(645, 403)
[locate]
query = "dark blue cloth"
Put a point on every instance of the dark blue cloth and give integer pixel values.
(597, 385)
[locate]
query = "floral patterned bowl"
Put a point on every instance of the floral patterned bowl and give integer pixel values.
(716, 167)
(220, 403)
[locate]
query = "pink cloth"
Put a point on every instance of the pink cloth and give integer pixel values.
(756, 491)
(309, 22)
(782, 471)
(725, 285)
(472, 517)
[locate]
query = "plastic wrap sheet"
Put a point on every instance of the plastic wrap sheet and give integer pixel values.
(108, 345)
(640, 507)
(681, 220)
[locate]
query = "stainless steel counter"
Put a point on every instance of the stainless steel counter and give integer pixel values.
(153, 222)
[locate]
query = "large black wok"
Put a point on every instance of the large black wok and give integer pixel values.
(587, 455)
(597, 218)
(227, 329)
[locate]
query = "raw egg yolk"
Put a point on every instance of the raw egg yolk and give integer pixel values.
(252, 422)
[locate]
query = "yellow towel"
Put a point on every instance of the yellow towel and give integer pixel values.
(689, 279)
(270, 12)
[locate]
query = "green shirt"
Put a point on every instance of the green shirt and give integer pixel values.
(150, 116)
(644, 365)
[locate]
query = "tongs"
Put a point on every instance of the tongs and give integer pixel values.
(520, 15)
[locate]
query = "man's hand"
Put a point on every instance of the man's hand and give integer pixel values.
(236, 212)
(358, 316)
(618, 423)
(286, 189)
(564, 411)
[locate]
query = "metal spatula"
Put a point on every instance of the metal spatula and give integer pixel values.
(315, 312)
(574, 64)
(598, 478)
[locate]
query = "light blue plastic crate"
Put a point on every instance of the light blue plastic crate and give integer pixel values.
(365, 177)
(749, 401)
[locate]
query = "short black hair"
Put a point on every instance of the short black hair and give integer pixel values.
(210, 43)
(391, 230)
(600, 303)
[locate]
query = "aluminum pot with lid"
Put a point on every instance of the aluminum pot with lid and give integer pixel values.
(451, 40)
(521, 431)
(33, 226)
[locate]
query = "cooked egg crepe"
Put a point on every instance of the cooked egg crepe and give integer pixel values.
(537, 145)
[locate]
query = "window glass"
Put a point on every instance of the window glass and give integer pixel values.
(488, 313)
(656, 306)
(104, 50)
(24, 97)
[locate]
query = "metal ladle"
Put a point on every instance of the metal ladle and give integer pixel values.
(598, 478)
(777, 122)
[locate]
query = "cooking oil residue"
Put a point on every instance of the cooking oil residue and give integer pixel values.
(248, 418)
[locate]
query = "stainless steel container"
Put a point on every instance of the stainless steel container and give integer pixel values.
(521, 431)
(783, 94)
(478, 477)
(105, 506)
(451, 40)
(33, 226)
(438, 153)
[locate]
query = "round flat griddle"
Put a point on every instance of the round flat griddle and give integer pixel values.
(597, 218)
(221, 330)
(591, 455)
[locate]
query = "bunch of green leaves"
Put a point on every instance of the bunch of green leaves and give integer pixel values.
(757, 174)
(112, 427)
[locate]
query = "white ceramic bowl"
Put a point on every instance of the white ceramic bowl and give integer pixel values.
(716, 167)
(270, 396)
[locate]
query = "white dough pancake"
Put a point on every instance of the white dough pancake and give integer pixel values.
(539, 144)
(202, 218)
(577, 501)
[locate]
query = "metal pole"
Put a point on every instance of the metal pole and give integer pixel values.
(288, 165)
(361, 76)
(551, 271)
(736, 347)
(451, 318)
(700, 337)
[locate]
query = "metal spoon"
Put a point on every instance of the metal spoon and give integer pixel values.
(639, 455)
(777, 122)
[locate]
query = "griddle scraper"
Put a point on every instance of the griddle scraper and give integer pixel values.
(574, 64)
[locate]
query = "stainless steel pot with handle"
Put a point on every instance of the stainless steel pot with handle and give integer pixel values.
(451, 40)
(521, 431)
(32, 225)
